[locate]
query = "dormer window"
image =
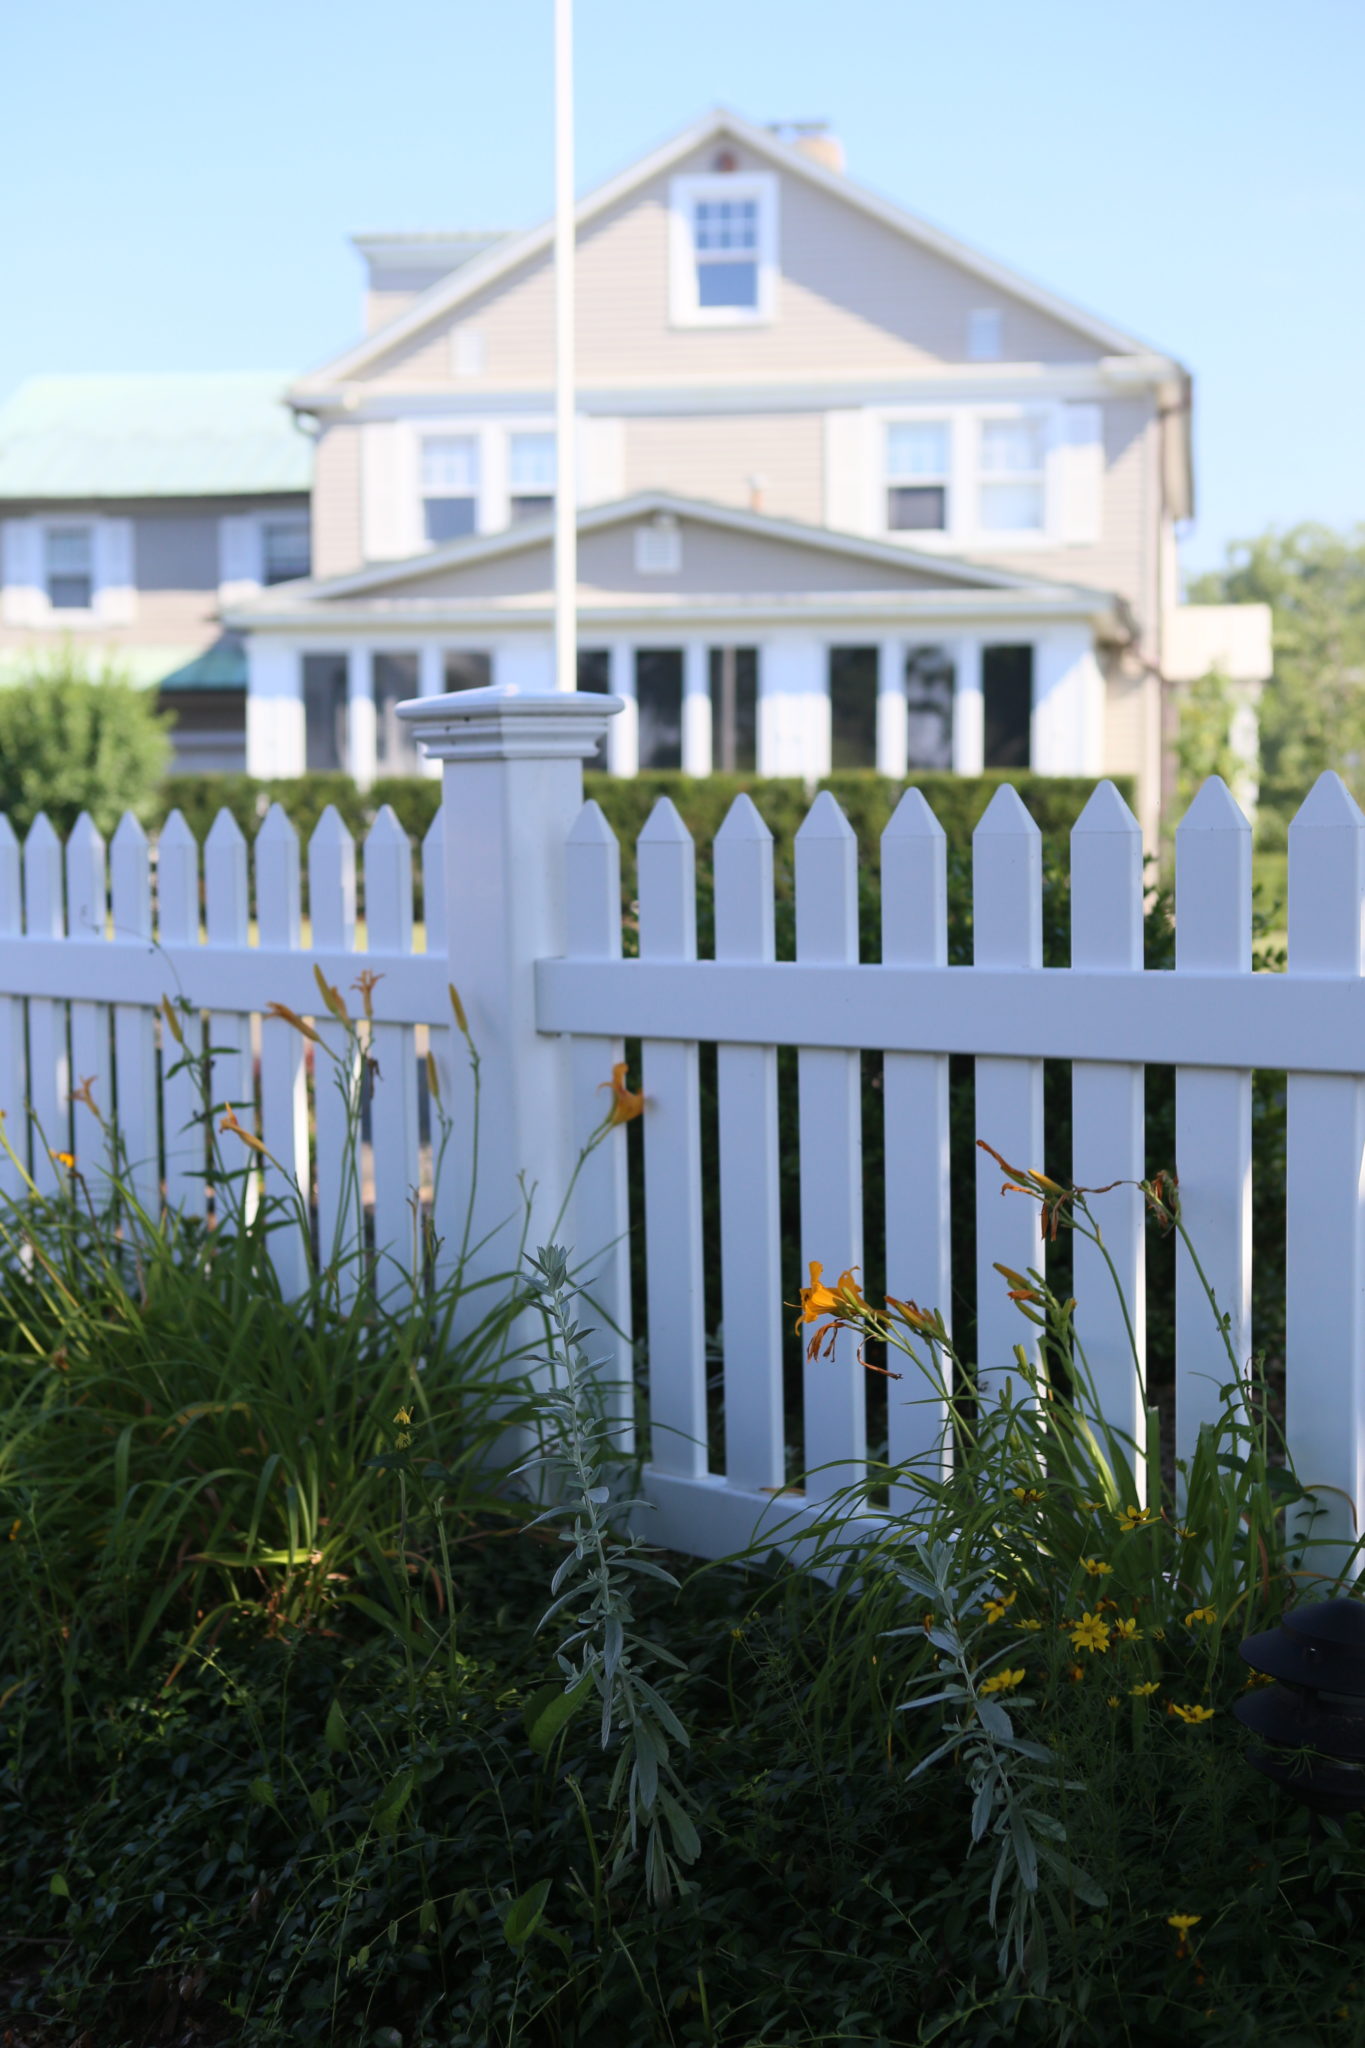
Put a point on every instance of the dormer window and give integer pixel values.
(724, 249)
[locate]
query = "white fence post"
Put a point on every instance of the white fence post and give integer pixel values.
(1212, 1116)
(1324, 1256)
(512, 788)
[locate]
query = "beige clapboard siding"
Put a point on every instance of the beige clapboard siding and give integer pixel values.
(852, 293)
(718, 457)
(1122, 559)
(336, 501)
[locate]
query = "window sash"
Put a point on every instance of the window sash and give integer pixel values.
(450, 465)
(286, 552)
(531, 464)
(918, 451)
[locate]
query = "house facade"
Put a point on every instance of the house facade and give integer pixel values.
(133, 511)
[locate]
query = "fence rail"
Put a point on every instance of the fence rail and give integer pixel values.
(523, 910)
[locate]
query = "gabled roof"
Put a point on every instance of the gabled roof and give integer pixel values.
(180, 436)
(477, 274)
(950, 575)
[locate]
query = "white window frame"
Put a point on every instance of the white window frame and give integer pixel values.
(685, 309)
(946, 480)
(1046, 420)
(300, 519)
(493, 510)
(964, 529)
(241, 550)
(24, 598)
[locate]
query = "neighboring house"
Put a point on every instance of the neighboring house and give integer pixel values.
(132, 509)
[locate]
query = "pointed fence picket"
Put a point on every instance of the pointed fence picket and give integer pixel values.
(393, 1068)
(451, 1099)
(135, 1101)
(87, 897)
(1007, 931)
(231, 1084)
(673, 1247)
(13, 1059)
(331, 905)
(182, 1106)
(284, 1089)
(49, 1064)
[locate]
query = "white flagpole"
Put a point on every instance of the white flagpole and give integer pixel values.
(566, 471)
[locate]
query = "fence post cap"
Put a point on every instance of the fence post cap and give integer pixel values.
(504, 723)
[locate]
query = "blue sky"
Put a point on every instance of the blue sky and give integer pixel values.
(1194, 172)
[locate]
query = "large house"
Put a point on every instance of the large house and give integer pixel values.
(134, 510)
(850, 494)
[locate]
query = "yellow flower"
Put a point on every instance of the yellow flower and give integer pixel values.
(1096, 1567)
(1112, 1700)
(817, 1299)
(1028, 1495)
(1207, 1615)
(67, 1159)
(1127, 1631)
(1003, 1681)
(1092, 1507)
(404, 1416)
(1028, 1622)
(1133, 1518)
(1145, 1690)
(403, 1439)
(1183, 1922)
(1191, 1716)
(928, 1622)
(1075, 1672)
(16, 1530)
(1089, 1633)
(1188, 1534)
(997, 1605)
(626, 1103)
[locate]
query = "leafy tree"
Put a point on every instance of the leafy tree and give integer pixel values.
(1313, 709)
(72, 741)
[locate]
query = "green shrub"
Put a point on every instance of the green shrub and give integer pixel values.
(72, 741)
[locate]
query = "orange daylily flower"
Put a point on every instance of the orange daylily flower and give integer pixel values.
(247, 1137)
(365, 982)
(626, 1103)
(288, 1016)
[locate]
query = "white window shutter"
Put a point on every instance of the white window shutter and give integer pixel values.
(850, 482)
(1082, 473)
(601, 460)
(116, 590)
(21, 573)
(239, 557)
(386, 521)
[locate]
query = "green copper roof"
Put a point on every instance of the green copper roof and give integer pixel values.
(152, 437)
(220, 667)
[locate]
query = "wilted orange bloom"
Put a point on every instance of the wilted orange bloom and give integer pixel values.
(366, 982)
(331, 996)
(83, 1096)
(230, 1123)
(288, 1016)
(626, 1103)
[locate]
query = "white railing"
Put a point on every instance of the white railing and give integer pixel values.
(523, 912)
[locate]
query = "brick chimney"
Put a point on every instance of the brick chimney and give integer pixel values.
(815, 139)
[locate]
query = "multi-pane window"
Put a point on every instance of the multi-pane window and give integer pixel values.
(918, 454)
(734, 709)
(395, 680)
(530, 475)
(725, 240)
(324, 711)
(930, 681)
(853, 707)
(69, 567)
(450, 485)
(285, 550)
(1010, 475)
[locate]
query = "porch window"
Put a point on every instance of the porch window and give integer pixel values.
(450, 486)
(658, 698)
(70, 567)
(853, 707)
(1007, 705)
(1010, 481)
(325, 733)
(734, 710)
(531, 475)
(917, 466)
(594, 677)
(285, 550)
(930, 681)
(466, 668)
(395, 680)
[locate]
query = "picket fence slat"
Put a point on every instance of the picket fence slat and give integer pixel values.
(177, 888)
(284, 1098)
(750, 1187)
(87, 897)
(331, 907)
(1212, 1116)
(49, 1069)
(13, 1065)
(130, 874)
(600, 1233)
(915, 1112)
(231, 1084)
(1325, 1165)
(672, 1138)
(1108, 1132)
(1007, 928)
(393, 1078)
(829, 1096)
(454, 1106)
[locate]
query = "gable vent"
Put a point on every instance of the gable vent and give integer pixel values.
(658, 547)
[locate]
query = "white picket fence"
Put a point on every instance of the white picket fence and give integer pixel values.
(523, 911)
